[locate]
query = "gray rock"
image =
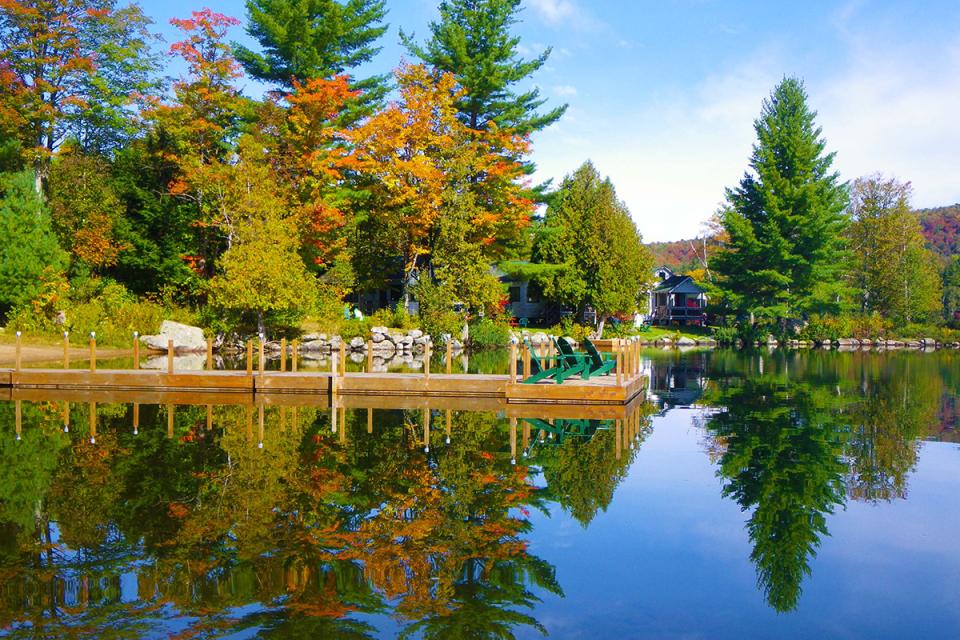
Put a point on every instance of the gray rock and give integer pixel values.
(378, 337)
(185, 338)
(414, 333)
(357, 343)
(929, 342)
(314, 346)
(335, 342)
(379, 330)
(314, 336)
(684, 341)
(847, 342)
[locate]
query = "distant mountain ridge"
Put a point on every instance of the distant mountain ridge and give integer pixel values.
(941, 229)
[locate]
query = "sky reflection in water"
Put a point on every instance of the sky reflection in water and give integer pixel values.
(755, 495)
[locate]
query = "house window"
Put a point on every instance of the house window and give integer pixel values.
(534, 293)
(514, 294)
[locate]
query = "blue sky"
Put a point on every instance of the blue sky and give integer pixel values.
(663, 94)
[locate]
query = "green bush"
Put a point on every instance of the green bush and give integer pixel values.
(436, 310)
(567, 327)
(488, 334)
(726, 334)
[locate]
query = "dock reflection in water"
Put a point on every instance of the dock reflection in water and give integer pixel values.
(277, 517)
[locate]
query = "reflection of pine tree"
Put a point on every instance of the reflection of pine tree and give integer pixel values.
(783, 460)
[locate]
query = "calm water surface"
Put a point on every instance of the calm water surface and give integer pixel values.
(801, 495)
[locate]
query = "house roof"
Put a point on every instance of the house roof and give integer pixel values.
(678, 284)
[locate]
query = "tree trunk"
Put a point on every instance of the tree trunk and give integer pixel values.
(603, 321)
(261, 325)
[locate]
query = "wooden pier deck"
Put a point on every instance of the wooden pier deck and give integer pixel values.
(602, 390)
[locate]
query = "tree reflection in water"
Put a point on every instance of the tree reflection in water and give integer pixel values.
(294, 530)
(798, 433)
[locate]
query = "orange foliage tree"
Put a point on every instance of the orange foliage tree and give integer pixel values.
(423, 170)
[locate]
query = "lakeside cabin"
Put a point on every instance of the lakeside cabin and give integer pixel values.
(676, 299)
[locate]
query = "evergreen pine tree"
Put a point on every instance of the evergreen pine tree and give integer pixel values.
(786, 251)
(307, 39)
(472, 40)
(29, 245)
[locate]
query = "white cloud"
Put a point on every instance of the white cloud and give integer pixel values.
(555, 11)
(564, 90)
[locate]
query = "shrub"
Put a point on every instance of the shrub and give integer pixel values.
(486, 333)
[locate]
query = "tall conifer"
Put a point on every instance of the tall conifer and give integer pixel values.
(309, 39)
(472, 40)
(786, 252)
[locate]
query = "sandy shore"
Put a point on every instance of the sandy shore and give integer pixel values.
(37, 353)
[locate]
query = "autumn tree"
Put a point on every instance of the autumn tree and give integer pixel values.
(589, 234)
(951, 288)
(30, 249)
(72, 68)
(894, 272)
(305, 40)
(85, 208)
(199, 128)
(785, 255)
(473, 42)
(437, 192)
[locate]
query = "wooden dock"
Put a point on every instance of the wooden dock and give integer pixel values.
(602, 390)
(619, 388)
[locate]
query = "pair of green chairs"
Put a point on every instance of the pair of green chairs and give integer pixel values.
(567, 362)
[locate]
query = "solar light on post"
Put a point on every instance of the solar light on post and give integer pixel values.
(93, 351)
(17, 360)
(136, 350)
(66, 349)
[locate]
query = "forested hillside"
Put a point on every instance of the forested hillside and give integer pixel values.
(941, 229)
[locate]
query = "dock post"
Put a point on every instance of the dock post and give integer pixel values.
(170, 357)
(170, 417)
(526, 363)
(93, 351)
(136, 418)
(449, 356)
(426, 361)
(283, 355)
(260, 356)
(249, 357)
(293, 355)
(618, 348)
(136, 350)
(369, 356)
(209, 354)
(334, 373)
(343, 359)
(513, 361)
(66, 349)
(93, 423)
(17, 365)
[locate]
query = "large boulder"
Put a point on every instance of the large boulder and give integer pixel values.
(684, 341)
(357, 343)
(186, 339)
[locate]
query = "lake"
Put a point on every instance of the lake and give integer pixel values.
(805, 494)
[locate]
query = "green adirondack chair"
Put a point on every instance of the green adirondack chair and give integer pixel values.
(562, 370)
(599, 363)
(574, 359)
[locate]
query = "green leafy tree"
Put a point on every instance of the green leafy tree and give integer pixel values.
(472, 40)
(29, 253)
(261, 273)
(951, 288)
(897, 276)
(309, 39)
(785, 254)
(590, 233)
